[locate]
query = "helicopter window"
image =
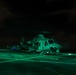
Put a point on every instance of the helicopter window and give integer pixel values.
(51, 41)
(46, 43)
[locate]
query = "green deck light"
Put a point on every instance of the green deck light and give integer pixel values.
(69, 54)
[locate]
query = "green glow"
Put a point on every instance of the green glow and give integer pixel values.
(13, 57)
(69, 54)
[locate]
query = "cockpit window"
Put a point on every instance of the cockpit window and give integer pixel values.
(51, 41)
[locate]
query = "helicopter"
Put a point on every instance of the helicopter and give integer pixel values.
(39, 44)
(43, 45)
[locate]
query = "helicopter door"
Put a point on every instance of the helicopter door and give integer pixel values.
(46, 43)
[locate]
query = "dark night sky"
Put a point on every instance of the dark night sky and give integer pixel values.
(39, 14)
(57, 16)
